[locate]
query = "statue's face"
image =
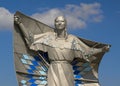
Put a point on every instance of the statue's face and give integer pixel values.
(60, 23)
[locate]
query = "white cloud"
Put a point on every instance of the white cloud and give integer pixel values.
(77, 15)
(6, 19)
(48, 16)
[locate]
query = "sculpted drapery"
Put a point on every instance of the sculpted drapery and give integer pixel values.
(62, 48)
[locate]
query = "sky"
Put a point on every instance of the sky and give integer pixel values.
(97, 20)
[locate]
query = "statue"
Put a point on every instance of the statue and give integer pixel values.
(62, 49)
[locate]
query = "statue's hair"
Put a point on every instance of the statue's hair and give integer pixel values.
(62, 17)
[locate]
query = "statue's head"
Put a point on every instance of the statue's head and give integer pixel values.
(60, 23)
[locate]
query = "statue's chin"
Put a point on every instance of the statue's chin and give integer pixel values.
(60, 28)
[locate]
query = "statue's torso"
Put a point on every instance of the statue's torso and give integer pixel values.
(58, 49)
(59, 53)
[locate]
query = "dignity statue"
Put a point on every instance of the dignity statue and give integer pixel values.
(46, 56)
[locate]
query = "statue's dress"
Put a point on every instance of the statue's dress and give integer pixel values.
(61, 53)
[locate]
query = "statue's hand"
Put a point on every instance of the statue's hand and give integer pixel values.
(105, 48)
(17, 19)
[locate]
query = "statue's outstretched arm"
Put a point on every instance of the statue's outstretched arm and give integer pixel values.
(28, 36)
(89, 55)
(94, 51)
(88, 52)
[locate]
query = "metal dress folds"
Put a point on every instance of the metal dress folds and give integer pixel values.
(51, 63)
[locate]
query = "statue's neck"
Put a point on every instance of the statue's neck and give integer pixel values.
(61, 33)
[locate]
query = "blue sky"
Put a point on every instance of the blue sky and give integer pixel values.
(97, 20)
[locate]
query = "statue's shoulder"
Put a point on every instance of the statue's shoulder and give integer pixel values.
(44, 34)
(72, 37)
(48, 33)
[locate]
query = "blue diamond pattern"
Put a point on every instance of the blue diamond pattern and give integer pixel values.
(26, 57)
(30, 71)
(32, 80)
(43, 82)
(32, 67)
(23, 81)
(36, 61)
(78, 76)
(24, 61)
(33, 85)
